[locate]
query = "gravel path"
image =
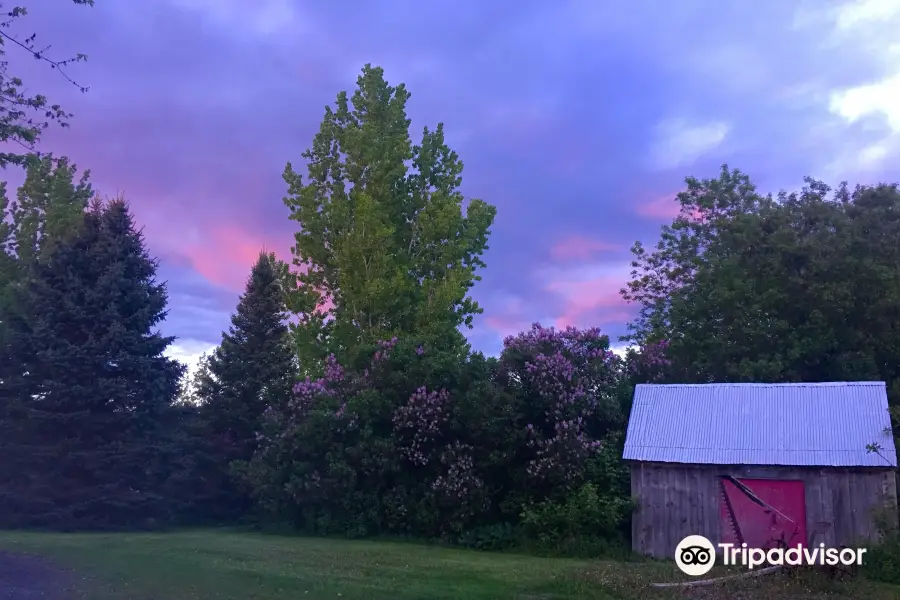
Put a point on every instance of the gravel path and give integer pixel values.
(24, 577)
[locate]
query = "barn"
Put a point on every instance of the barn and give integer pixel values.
(760, 464)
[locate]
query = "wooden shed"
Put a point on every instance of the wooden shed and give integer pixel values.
(761, 464)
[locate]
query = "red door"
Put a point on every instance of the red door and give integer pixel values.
(744, 520)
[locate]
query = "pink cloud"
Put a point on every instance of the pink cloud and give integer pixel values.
(591, 302)
(665, 207)
(579, 247)
(225, 254)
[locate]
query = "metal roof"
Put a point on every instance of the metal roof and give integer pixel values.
(810, 424)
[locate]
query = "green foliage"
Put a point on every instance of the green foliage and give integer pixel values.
(86, 403)
(592, 519)
(882, 561)
(331, 462)
(385, 247)
(48, 205)
(25, 116)
(798, 287)
(492, 538)
(586, 519)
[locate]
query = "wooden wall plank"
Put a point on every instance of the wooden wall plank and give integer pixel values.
(676, 500)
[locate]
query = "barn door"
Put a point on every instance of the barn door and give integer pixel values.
(763, 513)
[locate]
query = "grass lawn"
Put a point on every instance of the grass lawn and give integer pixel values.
(236, 565)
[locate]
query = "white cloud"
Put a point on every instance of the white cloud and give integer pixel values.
(866, 32)
(871, 27)
(878, 98)
(859, 12)
(189, 352)
(833, 66)
(681, 142)
(621, 349)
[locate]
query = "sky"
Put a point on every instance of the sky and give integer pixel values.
(578, 120)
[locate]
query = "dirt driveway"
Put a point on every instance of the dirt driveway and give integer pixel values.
(24, 577)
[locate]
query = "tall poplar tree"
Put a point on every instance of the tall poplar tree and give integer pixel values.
(387, 243)
(49, 204)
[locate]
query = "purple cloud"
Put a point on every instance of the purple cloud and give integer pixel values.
(577, 119)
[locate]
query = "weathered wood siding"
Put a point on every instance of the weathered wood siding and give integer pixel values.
(677, 500)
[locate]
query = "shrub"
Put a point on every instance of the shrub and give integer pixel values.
(495, 537)
(416, 441)
(587, 518)
(882, 561)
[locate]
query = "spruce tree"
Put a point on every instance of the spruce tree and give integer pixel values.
(253, 368)
(92, 390)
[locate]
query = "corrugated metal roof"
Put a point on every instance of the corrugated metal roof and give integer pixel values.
(811, 424)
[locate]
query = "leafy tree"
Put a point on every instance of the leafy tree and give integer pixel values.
(251, 370)
(87, 406)
(798, 287)
(191, 389)
(659, 275)
(49, 204)
(25, 116)
(8, 262)
(385, 247)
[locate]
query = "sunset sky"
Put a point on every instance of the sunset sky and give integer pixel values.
(578, 119)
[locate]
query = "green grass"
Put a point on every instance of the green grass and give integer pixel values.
(236, 565)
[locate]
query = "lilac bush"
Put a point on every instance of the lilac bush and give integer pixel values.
(569, 377)
(384, 349)
(437, 443)
(458, 489)
(649, 363)
(418, 423)
(459, 482)
(331, 386)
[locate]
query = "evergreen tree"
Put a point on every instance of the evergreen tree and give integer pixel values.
(89, 401)
(253, 368)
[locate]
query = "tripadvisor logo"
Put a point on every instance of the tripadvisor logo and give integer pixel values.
(695, 555)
